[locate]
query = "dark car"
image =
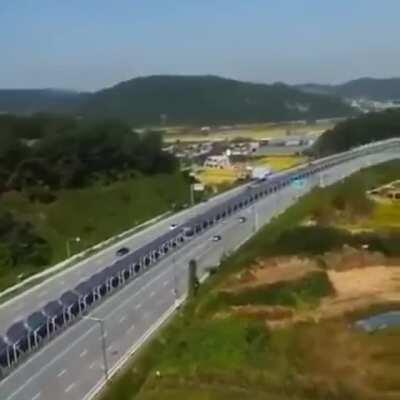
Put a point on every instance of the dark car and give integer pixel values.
(242, 219)
(216, 238)
(122, 251)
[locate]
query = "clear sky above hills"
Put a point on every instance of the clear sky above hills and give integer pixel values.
(89, 44)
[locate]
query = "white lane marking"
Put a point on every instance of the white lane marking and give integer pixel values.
(69, 388)
(83, 354)
(74, 343)
(131, 328)
(152, 293)
(122, 319)
(63, 372)
(165, 283)
(36, 396)
(137, 307)
(55, 359)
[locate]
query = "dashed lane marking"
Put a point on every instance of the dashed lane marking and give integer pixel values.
(61, 373)
(69, 388)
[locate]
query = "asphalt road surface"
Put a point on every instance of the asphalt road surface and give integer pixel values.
(38, 296)
(71, 367)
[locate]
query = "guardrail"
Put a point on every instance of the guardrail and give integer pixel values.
(243, 199)
(73, 261)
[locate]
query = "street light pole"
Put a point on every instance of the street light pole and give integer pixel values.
(103, 343)
(191, 194)
(175, 279)
(255, 218)
(68, 245)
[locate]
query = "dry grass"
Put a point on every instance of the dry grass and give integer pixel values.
(252, 131)
(279, 163)
(214, 176)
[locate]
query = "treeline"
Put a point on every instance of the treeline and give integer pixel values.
(51, 152)
(312, 240)
(358, 131)
(20, 244)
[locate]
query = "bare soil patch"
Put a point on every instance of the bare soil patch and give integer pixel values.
(360, 279)
(270, 271)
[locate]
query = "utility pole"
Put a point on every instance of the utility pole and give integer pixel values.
(255, 218)
(191, 194)
(175, 280)
(101, 323)
(68, 245)
(321, 180)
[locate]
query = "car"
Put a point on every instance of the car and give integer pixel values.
(173, 226)
(216, 238)
(242, 219)
(122, 251)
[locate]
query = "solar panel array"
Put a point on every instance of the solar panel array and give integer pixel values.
(26, 335)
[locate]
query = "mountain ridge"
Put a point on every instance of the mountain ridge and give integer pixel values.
(183, 99)
(381, 89)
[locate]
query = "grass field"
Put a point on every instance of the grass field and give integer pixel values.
(204, 357)
(232, 359)
(279, 163)
(216, 177)
(386, 214)
(227, 176)
(93, 214)
(253, 131)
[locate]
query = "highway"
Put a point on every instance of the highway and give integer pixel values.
(71, 366)
(36, 297)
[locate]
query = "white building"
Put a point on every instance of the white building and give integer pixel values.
(221, 162)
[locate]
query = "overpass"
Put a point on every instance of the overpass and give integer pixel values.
(62, 338)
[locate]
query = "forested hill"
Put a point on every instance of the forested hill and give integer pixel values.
(354, 132)
(208, 99)
(374, 89)
(32, 101)
(180, 100)
(43, 153)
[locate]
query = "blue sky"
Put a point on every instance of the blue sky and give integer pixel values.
(90, 44)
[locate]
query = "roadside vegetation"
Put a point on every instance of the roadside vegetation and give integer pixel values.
(278, 162)
(61, 179)
(77, 213)
(275, 320)
(245, 132)
(357, 131)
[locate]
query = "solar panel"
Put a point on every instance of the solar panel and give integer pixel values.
(17, 332)
(4, 353)
(3, 346)
(84, 288)
(68, 299)
(36, 320)
(98, 279)
(53, 309)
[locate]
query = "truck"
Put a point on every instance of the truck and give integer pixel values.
(260, 173)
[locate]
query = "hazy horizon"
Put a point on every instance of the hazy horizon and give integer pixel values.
(93, 44)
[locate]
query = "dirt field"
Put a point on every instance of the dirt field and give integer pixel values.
(360, 288)
(360, 280)
(271, 271)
